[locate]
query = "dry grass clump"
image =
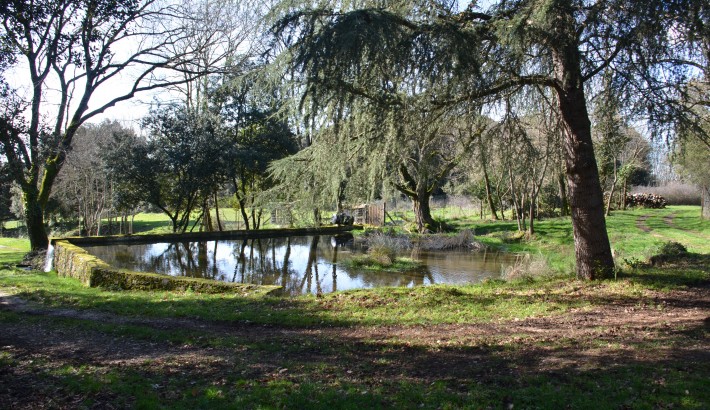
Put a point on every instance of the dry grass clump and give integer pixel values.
(527, 267)
(384, 248)
(463, 240)
(387, 245)
(513, 236)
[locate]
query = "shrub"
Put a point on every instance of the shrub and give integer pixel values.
(672, 249)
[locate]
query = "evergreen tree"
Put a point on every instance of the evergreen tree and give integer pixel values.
(345, 52)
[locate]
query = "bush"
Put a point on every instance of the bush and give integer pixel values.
(673, 249)
(669, 252)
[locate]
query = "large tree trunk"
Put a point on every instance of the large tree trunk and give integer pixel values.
(422, 212)
(591, 242)
(422, 215)
(34, 218)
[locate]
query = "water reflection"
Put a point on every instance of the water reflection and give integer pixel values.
(301, 264)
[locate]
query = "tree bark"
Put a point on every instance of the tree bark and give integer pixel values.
(705, 210)
(241, 199)
(34, 218)
(591, 242)
(422, 212)
(216, 212)
(516, 208)
(611, 191)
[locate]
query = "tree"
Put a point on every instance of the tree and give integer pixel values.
(5, 197)
(692, 151)
(79, 47)
(513, 47)
(264, 139)
(179, 167)
(84, 186)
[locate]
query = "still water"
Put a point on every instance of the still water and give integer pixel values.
(300, 264)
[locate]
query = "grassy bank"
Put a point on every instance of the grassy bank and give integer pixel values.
(547, 341)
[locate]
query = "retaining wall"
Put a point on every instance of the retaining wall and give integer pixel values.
(70, 260)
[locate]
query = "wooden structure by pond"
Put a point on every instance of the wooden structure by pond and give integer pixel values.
(369, 214)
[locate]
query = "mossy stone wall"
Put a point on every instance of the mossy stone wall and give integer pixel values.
(72, 261)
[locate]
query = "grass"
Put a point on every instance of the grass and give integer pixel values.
(384, 306)
(298, 365)
(376, 307)
(383, 265)
(12, 250)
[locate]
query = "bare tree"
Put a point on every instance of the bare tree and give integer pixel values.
(68, 53)
(84, 185)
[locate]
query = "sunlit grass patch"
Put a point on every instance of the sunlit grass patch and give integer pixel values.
(382, 263)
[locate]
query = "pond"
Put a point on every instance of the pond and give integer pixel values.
(300, 264)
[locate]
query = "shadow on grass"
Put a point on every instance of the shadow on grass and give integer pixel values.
(311, 370)
(672, 271)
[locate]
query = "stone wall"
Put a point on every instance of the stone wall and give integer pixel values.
(72, 261)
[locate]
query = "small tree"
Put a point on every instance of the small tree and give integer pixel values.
(84, 186)
(264, 139)
(5, 197)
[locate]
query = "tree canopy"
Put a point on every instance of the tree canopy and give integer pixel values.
(377, 51)
(81, 47)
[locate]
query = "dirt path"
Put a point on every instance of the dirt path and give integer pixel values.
(668, 221)
(641, 223)
(46, 352)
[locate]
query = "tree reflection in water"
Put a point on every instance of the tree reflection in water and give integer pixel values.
(298, 263)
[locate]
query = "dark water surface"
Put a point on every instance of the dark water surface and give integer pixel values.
(300, 264)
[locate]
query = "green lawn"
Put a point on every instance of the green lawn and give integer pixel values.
(12, 250)
(480, 346)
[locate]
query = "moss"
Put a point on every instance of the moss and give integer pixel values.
(73, 261)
